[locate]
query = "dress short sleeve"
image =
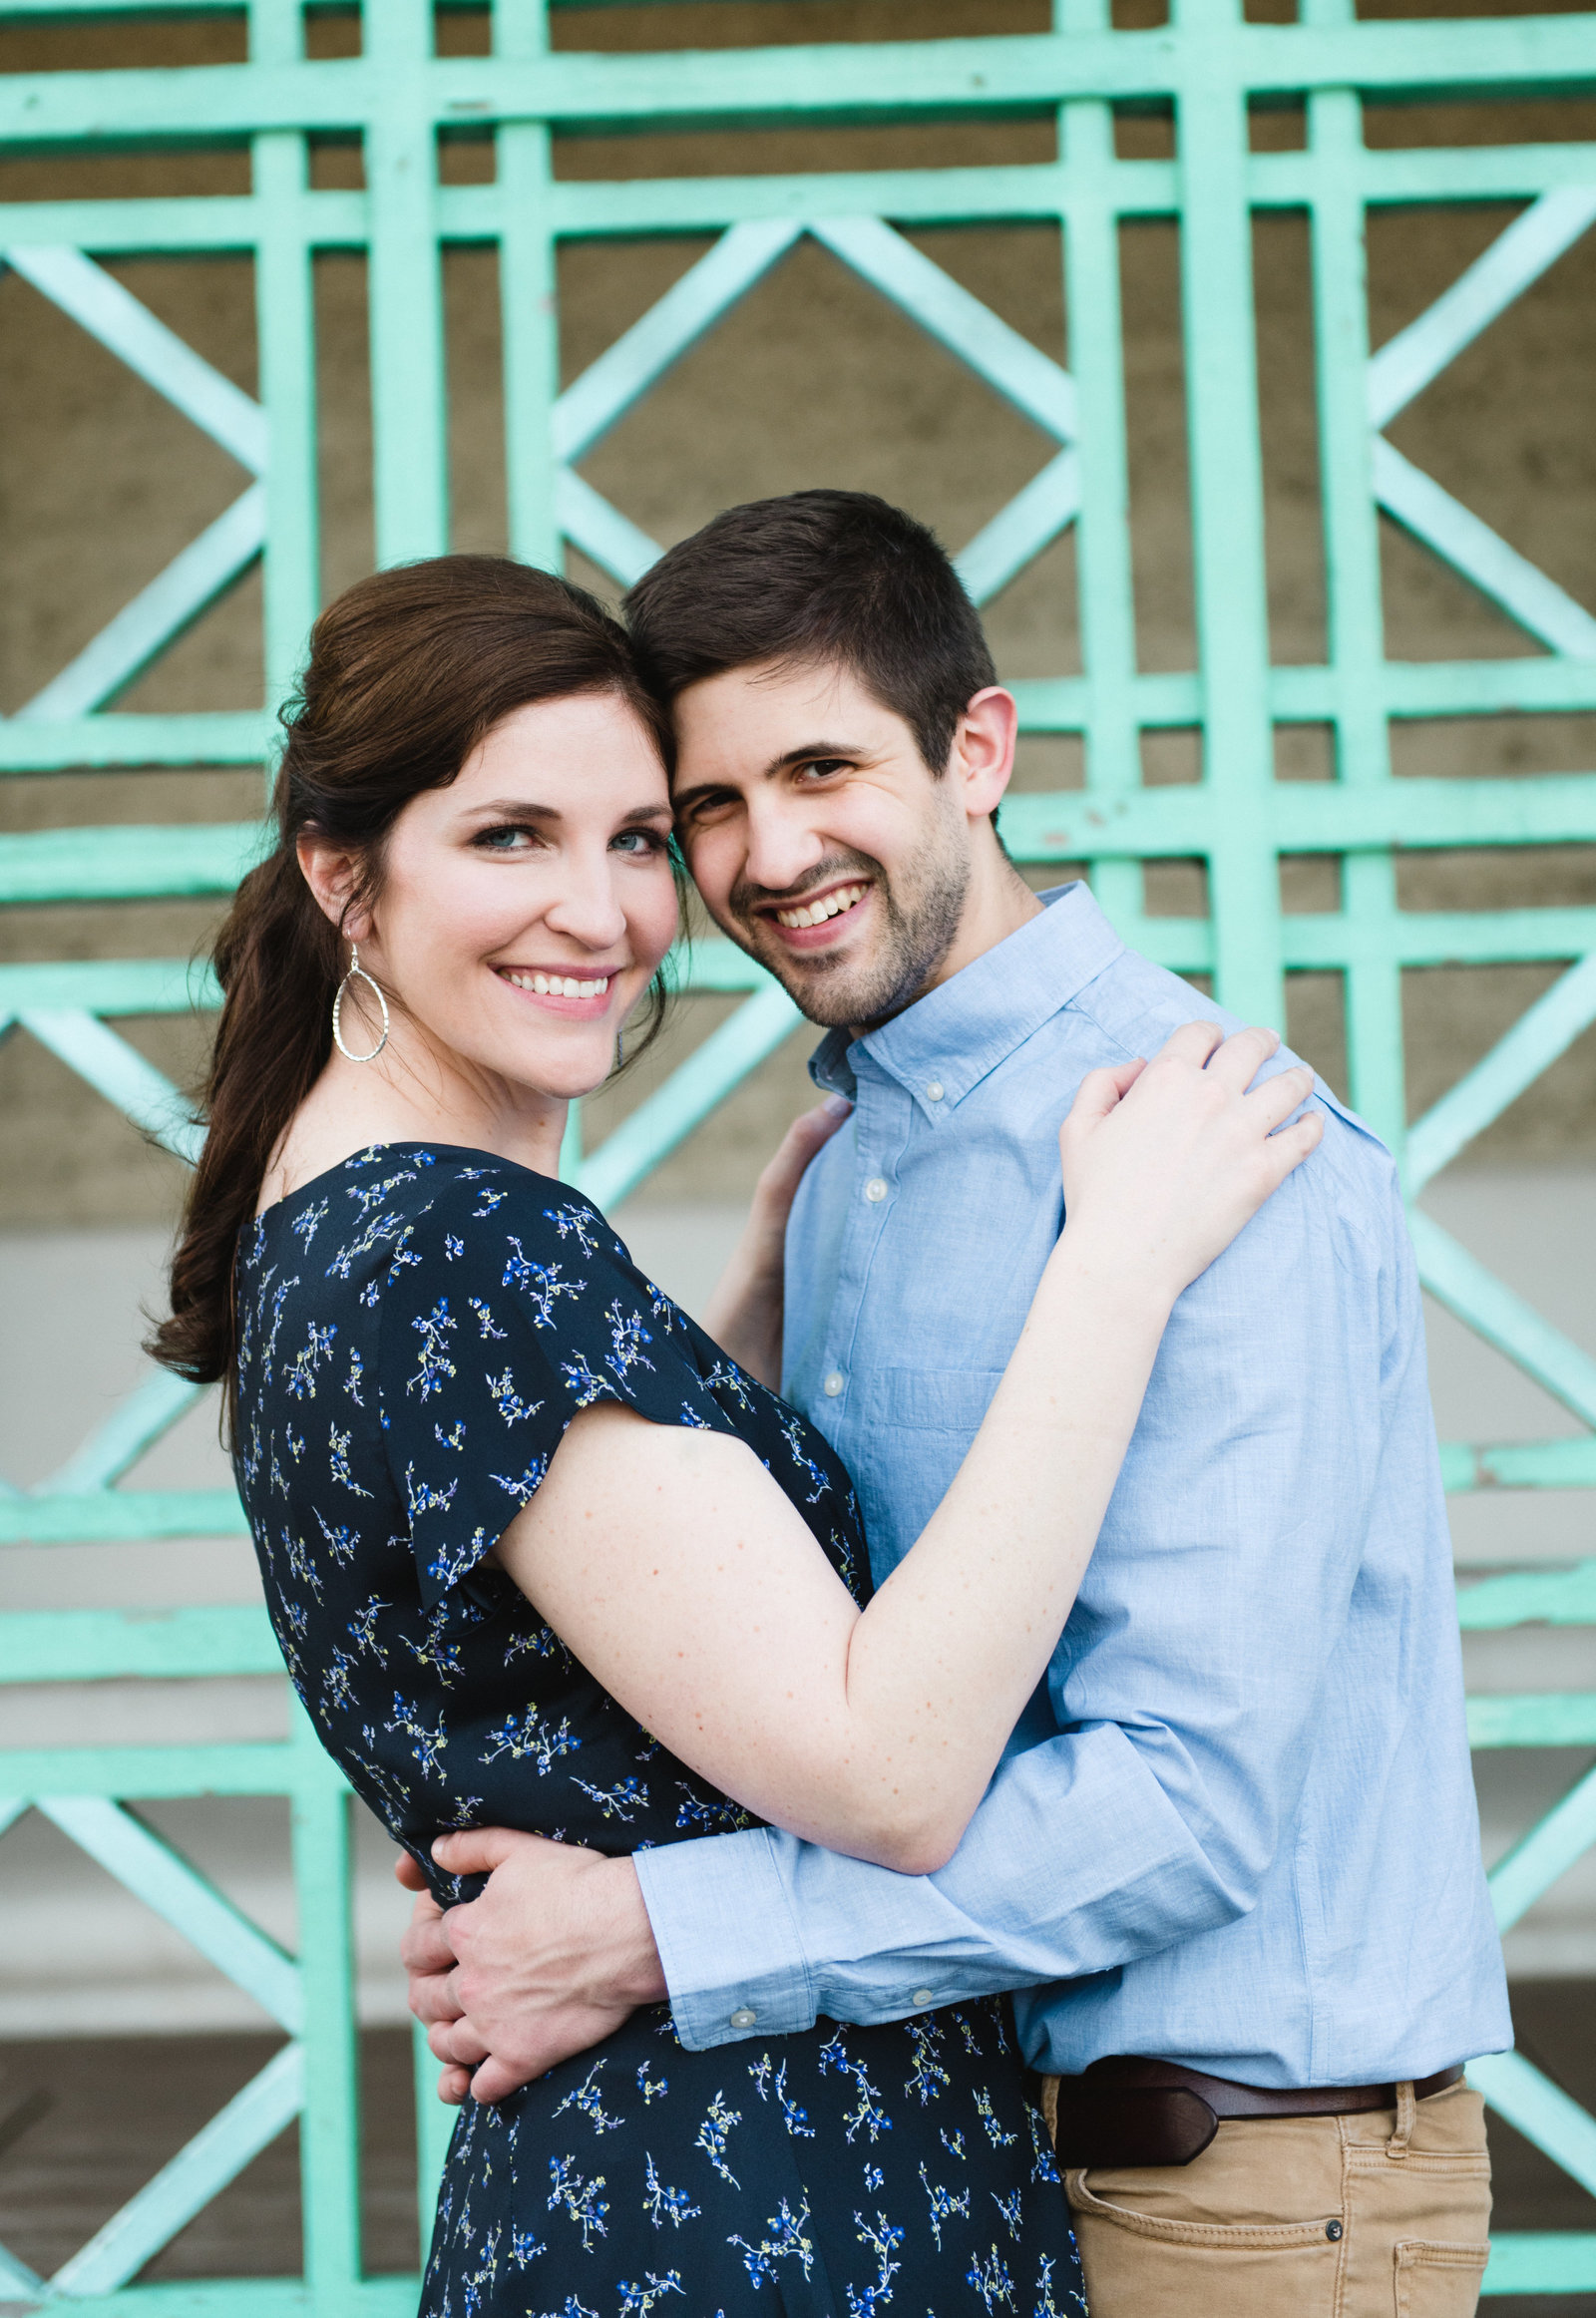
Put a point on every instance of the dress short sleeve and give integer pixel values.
(510, 1307)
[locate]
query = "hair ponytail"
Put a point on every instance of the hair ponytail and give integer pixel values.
(276, 957)
(408, 670)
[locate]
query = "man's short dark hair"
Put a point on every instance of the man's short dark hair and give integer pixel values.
(818, 577)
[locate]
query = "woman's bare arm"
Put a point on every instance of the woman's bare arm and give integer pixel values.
(679, 1574)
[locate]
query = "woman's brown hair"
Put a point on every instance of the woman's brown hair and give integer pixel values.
(408, 670)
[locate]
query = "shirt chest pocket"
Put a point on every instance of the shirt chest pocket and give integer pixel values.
(931, 1400)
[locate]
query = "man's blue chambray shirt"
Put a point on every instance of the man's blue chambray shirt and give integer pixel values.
(1238, 1830)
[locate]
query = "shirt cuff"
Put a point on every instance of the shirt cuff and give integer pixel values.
(732, 1958)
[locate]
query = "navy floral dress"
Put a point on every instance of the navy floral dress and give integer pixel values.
(417, 1327)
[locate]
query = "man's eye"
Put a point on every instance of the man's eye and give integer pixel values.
(705, 807)
(822, 768)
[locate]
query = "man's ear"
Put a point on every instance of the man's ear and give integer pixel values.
(333, 873)
(983, 755)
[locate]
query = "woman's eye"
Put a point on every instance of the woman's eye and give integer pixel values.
(510, 837)
(640, 843)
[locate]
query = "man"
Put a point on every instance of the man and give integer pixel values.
(1231, 1860)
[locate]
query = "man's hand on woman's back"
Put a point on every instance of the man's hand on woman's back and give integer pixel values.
(744, 1314)
(552, 1958)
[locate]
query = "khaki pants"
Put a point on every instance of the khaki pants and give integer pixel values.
(1383, 2215)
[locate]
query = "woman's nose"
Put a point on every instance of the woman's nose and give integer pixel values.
(589, 910)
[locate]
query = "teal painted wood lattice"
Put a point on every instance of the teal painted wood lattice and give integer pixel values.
(1208, 64)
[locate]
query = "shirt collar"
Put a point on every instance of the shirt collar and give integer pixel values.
(959, 1032)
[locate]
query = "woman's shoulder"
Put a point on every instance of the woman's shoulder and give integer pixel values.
(402, 1221)
(369, 1192)
(447, 1232)
(474, 1199)
(427, 1193)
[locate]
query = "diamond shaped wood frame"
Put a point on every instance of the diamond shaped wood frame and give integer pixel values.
(1208, 63)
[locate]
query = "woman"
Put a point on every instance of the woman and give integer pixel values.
(539, 1553)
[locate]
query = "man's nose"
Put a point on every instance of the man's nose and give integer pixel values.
(782, 848)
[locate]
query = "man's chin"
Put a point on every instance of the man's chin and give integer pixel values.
(832, 994)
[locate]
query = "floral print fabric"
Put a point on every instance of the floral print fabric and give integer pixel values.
(415, 1328)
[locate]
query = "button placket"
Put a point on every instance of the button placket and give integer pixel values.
(876, 1130)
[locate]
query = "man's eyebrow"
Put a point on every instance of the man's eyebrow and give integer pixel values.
(809, 751)
(806, 753)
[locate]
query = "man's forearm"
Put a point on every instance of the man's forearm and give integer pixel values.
(1077, 1860)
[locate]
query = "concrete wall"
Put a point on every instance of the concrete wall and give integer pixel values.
(811, 380)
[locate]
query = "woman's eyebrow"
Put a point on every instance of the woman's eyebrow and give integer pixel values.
(515, 809)
(525, 809)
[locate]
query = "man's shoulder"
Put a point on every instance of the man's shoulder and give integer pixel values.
(1134, 1004)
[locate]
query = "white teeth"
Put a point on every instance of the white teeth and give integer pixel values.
(558, 986)
(830, 906)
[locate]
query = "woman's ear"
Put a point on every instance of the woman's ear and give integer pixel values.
(332, 874)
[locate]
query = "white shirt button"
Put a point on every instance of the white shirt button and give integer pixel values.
(921, 1996)
(744, 2015)
(876, 1188)
(833, 1384)
(934, 1091)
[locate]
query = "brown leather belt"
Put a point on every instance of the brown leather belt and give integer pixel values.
(1126, 2112)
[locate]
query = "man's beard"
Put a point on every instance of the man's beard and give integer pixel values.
(917, 930)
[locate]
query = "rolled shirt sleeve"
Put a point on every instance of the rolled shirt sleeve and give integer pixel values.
(760, 1932)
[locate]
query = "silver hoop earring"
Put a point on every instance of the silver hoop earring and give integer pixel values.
(356, 969)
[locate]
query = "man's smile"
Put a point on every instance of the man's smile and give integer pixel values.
(813, 922)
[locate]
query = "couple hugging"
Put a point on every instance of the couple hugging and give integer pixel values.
(942, 1789)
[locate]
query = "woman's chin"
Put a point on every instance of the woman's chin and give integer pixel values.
(566, 1078)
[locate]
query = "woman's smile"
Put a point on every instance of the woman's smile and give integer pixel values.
(580, 994)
